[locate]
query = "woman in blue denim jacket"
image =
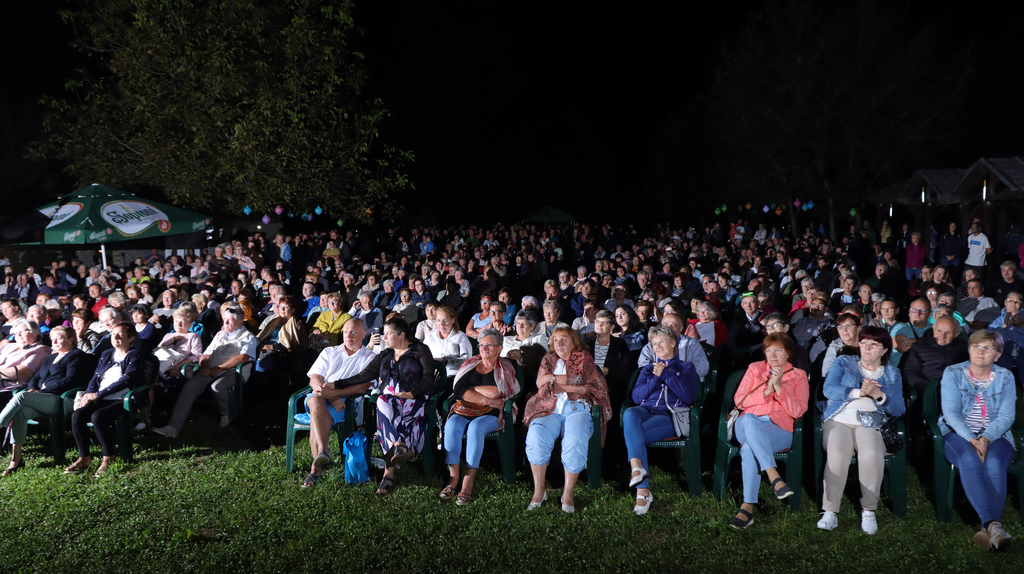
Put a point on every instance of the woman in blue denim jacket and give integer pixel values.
(855, 386)
(978, 408)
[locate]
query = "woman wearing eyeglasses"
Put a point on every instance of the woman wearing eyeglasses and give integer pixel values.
(447, 343)
(848, 326)
(862, 393)
(978, 409)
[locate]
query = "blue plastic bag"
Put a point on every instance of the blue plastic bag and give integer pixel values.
(357, 470)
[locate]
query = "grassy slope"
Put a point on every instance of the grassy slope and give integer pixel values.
(185, 508)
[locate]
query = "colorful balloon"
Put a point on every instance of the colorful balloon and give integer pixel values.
(266, 219)
(319, 210)
(247, 210)
(279, 210)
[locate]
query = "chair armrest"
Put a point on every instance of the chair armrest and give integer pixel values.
(294, 399)
(127, 400)
(71, 392)
(186, 366)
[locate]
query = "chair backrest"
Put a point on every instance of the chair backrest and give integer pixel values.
(151, 366)
(440, 378)
(731, 385)
(931, 402)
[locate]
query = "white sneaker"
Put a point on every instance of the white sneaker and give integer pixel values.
(868, 523)
(225, 421)
(829, 521)
(167, 431)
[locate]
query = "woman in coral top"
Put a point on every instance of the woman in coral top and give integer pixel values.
(771, 396)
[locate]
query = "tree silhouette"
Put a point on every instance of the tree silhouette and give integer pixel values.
(832, 101)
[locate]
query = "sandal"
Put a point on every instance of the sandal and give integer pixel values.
(386, 486)
(447, 493)
(14, 468)
(401, 454)
(322, 460)
(740, 524)
(103, 468)
(79, 466)
(463, 499)
(311, 480)
(783, 491)
(635, 478)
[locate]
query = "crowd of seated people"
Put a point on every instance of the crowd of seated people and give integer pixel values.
(577, 308)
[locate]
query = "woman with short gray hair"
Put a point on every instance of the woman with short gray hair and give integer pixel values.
(482, 385)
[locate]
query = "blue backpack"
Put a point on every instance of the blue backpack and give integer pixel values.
(357, 470)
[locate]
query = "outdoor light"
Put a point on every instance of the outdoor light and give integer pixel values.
(278, 210)
(266, 219)
(922, 199)
(890, 207)
(341, 223)
(247, 210)
(853, 212)
(765, 209)
(810, 204)
(984, 190)
(796, 203)
(319, 210)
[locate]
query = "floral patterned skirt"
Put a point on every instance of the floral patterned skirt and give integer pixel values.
(401, 420)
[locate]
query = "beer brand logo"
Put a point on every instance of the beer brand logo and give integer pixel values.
(70, 236)
(65, 211)
(133, 217)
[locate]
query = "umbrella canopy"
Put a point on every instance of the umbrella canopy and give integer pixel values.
(98, 214)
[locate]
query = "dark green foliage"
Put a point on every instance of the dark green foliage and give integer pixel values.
(221, 104)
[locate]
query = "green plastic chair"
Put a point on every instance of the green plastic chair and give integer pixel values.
(505, 437)
(690, 446)
(714, 358)
(595, 452)
(945, 472)
(293, 427)
(729, 450)
(124, 424)
(58, 424)
(894, 479)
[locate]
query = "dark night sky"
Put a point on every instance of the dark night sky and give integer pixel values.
(511, 105)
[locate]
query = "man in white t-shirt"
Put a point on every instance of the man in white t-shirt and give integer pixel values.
(232, 346)
(977, 248)
(326, 404)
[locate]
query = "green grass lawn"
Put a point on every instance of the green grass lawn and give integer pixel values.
(226, 504)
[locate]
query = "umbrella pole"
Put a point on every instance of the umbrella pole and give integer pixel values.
(103, 254)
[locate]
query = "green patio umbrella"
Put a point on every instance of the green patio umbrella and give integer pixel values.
(98, 214)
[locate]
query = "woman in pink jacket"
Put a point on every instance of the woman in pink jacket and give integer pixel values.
(770, 397)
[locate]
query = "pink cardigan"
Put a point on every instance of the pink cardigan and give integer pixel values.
(782, 408)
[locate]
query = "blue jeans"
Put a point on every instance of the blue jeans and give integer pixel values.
(574, 425)
(984, 483)
(760, 439)
(641, 427)
(475, 430)
(913, 273)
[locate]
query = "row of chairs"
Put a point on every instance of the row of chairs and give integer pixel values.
(133, 403)
(726, 452)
